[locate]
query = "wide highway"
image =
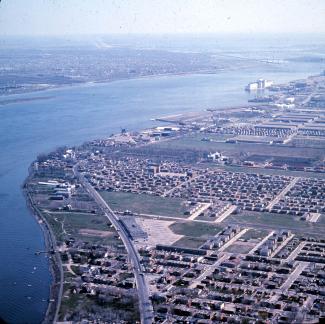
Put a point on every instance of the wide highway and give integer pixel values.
(145, 306)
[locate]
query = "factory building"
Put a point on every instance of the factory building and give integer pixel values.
(259, 84)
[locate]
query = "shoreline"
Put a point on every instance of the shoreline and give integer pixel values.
(54, 259)
(103, 82)
(5, 98)
(55, 264)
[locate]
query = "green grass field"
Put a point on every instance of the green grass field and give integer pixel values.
(254, 234)
(194, 142)
(145, 204)
(205, 217)
(238, 248)
(277, 222)
(69, 224)
(195, 229)
(72, 302)
(189, 242)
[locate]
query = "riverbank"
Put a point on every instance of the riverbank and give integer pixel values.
(70, 118)
(102, 82)
(107, 81)
(108, 293)
(55, 265)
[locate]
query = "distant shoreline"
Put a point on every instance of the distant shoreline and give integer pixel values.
(51, 245)
(6, 100)
(93, 83)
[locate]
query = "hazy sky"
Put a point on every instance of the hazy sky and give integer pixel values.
(57, 17)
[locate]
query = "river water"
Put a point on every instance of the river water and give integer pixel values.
(71, 116)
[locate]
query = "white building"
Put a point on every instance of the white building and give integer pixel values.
(259, 84)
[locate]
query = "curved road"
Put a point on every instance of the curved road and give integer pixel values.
(145, 306)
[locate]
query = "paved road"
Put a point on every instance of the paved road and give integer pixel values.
(233, 240)
(226, 213)
(314, 217)
(295, 252)
(282, 193)
(300, 266)
(172, 218)
(208, 270)
(257, 246)
(293, 276)
(281, 246)
(167, 193)
(203, 207)
(145, 306)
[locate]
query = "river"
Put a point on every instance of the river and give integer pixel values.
(71, 116)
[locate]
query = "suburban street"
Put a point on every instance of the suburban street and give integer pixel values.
(208, 270)
(293, 276)
(232, 240)
(282, 193)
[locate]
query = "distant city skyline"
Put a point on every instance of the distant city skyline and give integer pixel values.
(75, 17)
